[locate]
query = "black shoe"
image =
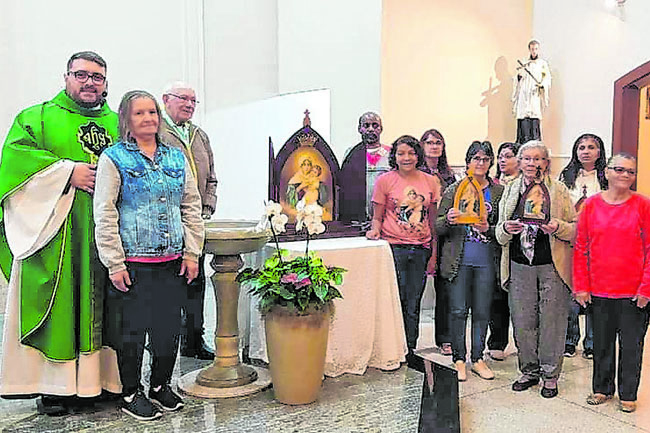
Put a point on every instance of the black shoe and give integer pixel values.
(203, 352)
(108, 397)
(588, 354)
(53, 405)
(569, 351)
(140, 408)
(78, 404)
(549, 392)
(200, 351)
(524, 385)
(166, 398)
(414, 362)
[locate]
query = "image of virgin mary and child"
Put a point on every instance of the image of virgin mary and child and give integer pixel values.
(306, 185)
(412, 211)
(534, 204)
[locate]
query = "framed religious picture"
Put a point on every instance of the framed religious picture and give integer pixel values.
(305, 171)
(534, 206)
(469, 201)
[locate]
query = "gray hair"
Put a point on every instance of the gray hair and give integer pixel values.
(537, 145)
(124, 113)
(175, 85)
(623, 155)
(369, 114)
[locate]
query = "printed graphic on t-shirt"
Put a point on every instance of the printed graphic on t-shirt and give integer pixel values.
(411, 210)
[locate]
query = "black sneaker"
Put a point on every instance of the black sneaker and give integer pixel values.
(569, 351)
(588, 354)
(141, 408)
(166, 398)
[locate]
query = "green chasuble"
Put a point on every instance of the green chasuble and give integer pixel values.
(62, 285)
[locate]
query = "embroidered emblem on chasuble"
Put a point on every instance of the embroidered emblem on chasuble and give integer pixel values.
(94, 139)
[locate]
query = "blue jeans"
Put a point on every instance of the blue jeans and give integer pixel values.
(472, 288)
(410, 267)
(573, 327)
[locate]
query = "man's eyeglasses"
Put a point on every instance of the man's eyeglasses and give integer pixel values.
(189, 99)
(82, 76)
(535, 160)
(484, 160)
(621, 170)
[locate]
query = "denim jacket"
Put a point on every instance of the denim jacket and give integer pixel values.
(153, 204)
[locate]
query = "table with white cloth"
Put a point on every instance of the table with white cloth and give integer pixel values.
(366, 329)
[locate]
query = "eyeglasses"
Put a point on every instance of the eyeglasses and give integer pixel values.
(535, 160)
(484, 160)
(506, 156)
(621, 170)
(82, 76)
(189, 99)
(434, 142)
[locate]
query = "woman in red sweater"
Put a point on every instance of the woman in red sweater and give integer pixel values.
(612, 249)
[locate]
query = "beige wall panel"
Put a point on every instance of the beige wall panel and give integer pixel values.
(449, 65)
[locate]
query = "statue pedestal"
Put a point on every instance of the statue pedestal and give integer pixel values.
(227, 376)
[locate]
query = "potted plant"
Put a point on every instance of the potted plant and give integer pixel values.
(295, 299)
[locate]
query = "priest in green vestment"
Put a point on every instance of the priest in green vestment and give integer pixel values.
(52, 341)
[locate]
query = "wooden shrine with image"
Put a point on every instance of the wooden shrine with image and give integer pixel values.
(305, 171)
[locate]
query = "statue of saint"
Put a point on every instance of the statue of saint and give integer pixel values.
(530, 94)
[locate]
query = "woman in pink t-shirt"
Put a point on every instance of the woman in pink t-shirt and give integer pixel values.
(404, 207)
(611, 270)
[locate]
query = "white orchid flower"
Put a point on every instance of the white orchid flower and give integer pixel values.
(310, 219)
(278, 222)
(314, 209)
(316, 228)
(273, 208)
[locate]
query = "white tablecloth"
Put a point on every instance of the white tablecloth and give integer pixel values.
(367, 329)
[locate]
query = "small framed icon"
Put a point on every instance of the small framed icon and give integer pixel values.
(469, 201)
(534, 206)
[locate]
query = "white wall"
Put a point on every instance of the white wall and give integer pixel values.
(590, 47)
(241, 52)
(333, 44)
(38, 37)
(448, 65)
(241, 152)
(227, 50)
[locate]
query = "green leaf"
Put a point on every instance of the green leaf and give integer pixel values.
(285, 294)
(321, 291)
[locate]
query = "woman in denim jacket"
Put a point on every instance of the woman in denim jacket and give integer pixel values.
(149, 231)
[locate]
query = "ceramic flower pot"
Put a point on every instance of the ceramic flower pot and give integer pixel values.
(296, 348)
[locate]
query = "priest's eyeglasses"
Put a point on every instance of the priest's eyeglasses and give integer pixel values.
(621, 170)
(82, 76)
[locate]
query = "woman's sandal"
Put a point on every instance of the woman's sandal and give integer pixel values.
(596, 399)
(628, 406)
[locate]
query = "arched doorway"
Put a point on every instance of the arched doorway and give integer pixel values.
(630, 97)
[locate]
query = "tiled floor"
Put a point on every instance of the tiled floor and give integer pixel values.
(375, 402)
